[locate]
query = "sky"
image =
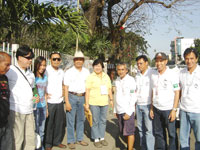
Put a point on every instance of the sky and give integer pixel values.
(163, 32)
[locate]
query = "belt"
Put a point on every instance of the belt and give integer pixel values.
(77, 94)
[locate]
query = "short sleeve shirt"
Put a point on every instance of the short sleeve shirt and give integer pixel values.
(190, 90)
(99, 88)
(76, 79)
(55, 85)
(41, 84)
(21, 90)
(164, 85)
(143, 87)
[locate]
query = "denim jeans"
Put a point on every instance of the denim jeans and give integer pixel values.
(188, 121)
(40, 119)
(99, 114)
(145, 127)
(160, 123)
(77, 113)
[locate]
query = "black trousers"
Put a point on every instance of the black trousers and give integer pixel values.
(55, 125)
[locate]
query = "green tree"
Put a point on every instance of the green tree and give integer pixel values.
(22, 19)
(197, 46)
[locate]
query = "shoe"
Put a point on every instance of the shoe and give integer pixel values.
(62, 146)
(104, 143)
(98, 144)
(49, 148)
(82, 143)
(71, 146)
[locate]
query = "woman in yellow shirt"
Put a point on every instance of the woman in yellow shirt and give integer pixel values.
(98, 94)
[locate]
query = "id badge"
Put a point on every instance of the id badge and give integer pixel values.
(104, 90)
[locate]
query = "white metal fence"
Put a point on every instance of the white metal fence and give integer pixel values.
(12, 48)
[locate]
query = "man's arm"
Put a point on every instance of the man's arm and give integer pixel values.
(67, 104)
(172, 115)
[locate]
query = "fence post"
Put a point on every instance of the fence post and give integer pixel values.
(13, 53)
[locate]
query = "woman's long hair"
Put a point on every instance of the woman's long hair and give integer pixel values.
(37, 65)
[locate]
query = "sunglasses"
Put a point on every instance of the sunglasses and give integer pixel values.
(28, 57)
(58, 59)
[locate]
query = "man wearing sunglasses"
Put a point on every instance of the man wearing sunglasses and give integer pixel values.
(21, 119)
(56, 121)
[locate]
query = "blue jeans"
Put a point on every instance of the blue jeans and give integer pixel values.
(99, 114)
(40, 119)
(78, 113)
(187, 121)
(145, 127)
(160, 123)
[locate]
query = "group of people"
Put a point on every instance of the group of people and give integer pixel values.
(153, 96)
(160, 92)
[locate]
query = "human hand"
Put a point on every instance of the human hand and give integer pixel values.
(126, 117)
(172, 116)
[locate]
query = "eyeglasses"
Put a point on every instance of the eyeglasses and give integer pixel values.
(58, 59)
(28, 57)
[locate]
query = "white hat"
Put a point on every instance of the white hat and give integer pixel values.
(78, 54)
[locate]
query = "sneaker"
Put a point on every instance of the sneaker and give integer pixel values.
(98, 144)
(104, 143)
(71, 146)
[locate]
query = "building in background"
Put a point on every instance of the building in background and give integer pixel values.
(178, 46)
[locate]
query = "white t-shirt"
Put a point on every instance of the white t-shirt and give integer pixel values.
(55, 84)
(125, 95)
(76, 79)
(20, 90)
(190, 90)
(143, 87)
(164, 85)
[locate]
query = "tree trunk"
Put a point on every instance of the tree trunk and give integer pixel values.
(92, 11)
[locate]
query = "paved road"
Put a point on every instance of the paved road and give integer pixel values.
(112, 136)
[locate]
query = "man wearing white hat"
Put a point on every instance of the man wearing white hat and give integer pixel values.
(74, 81)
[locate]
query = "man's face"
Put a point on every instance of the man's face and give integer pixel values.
(161, 64)
(5, 65)
(78, 62)
(191, 60)
(25, 61)
(142, 65)
(122, 71)
(55, 60)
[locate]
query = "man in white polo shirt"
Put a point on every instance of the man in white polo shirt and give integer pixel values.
(21, 119)
(190, 103)
(74, 81)
(144, 122)
(165, 97)
(125, 104)
(55, 123)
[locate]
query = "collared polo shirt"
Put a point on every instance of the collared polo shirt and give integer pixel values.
(94, 83)
(76, 79)
(190, 90)
(143, 89)
(20, 90)
(125, 95)
(164, 85)
(54, 84)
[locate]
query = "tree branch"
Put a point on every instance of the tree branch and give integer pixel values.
(162, 3)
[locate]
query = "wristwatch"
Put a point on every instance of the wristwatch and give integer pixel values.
(175, 109)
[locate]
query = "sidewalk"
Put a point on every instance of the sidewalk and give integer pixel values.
(112, 137)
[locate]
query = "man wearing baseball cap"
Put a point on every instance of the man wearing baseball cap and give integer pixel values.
(165, 97)
(74, 81)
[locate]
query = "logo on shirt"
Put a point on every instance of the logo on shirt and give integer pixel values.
(175, 85)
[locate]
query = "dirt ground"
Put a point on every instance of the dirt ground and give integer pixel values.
(114, 138)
